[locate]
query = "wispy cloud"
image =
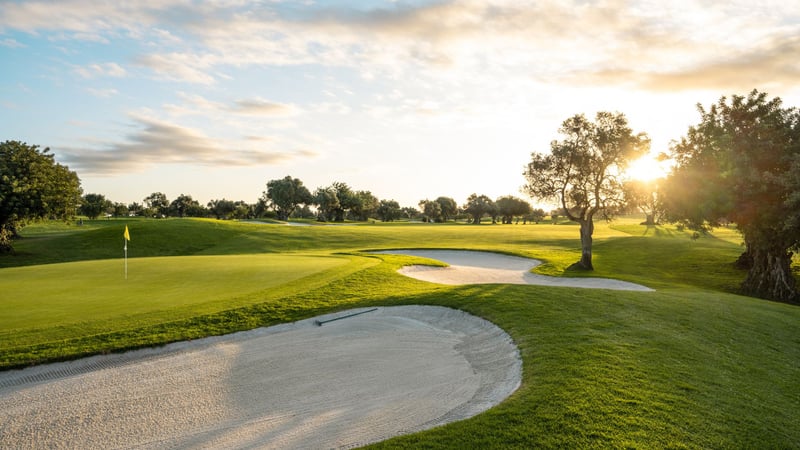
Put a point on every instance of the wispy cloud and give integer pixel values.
(160, 142)
(102, 93)
(599, 41)
(258, 107)
(11, 43)
(109, 69)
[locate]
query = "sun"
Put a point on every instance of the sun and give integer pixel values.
(647, 168)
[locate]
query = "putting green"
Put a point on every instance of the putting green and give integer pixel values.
(97, 291)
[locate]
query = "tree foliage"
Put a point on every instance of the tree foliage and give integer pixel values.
(364, 205)
(739, 164)
(389, 211)
(644, 196)
(431, 210)
(347, 200)
(157, 204)
(184, 205)
(583, 171)
(222, 209)
(33, 186)
(327, 203)
(285, 195)
(448, 208)
(92, 205)
(509, 207)
(478, 206)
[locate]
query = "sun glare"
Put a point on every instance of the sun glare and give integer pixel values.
(647, 168)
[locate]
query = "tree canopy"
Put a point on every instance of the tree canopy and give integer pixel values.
(92, 205)
(286, 194)
(157, 204)
(583, 171)
(509, 207)
(478, 206)
(644, 195)
(33, 186)
(448, 208)
(739, 164)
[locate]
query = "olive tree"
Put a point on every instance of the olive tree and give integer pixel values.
(448, 208)
(478, 206)
(285, 195)
(583, 171)
(157, 204)
(509, 207)
(389, 210)
(740, 164)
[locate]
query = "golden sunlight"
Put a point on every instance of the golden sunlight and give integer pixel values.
(647, 168)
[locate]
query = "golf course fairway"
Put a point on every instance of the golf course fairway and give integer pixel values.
(689, 365)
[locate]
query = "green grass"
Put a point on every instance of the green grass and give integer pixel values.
(691, 365)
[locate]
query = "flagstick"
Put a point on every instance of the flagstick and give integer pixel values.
(126, 258)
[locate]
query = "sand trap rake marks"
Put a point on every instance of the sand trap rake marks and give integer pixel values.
(55, 371)
(319, 323)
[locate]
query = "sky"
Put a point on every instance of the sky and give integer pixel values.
(409, 100)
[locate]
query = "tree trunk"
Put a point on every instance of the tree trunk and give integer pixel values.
(587, 229)
(649, 219)
(771, 275)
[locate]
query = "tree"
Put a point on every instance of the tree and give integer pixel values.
(327, 203)
(448, 207)
(478, 206)
(739, 164)
(347, 200)
(33, 186)
(509, 207)
(286, 194)
(431, 210)
(583, 171)
(364, 205)
(537, 215)
(388, 211)
(92, 205)
(644, 196)
(119, 209)
(135, 209)
(182, 206)
(410, 212)
(222, 209)
(158, 204)
(242, 210)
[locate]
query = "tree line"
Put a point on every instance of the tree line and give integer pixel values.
(740, 164)
(287, 198)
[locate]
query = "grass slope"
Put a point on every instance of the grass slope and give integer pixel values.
(689, 366)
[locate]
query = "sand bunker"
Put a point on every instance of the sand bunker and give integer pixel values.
(471, 267)
(348, 382)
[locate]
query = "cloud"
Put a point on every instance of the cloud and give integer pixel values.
(175, 66)
(772, 63)
(258, 107)
(194, 104)
(102, 93)
(11, 43)
(159, 142)
(657, 44)
(101, 70)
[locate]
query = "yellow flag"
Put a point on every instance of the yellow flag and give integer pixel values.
(127, 235)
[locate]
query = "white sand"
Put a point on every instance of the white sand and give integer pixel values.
(349, 382)
(471, 267)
